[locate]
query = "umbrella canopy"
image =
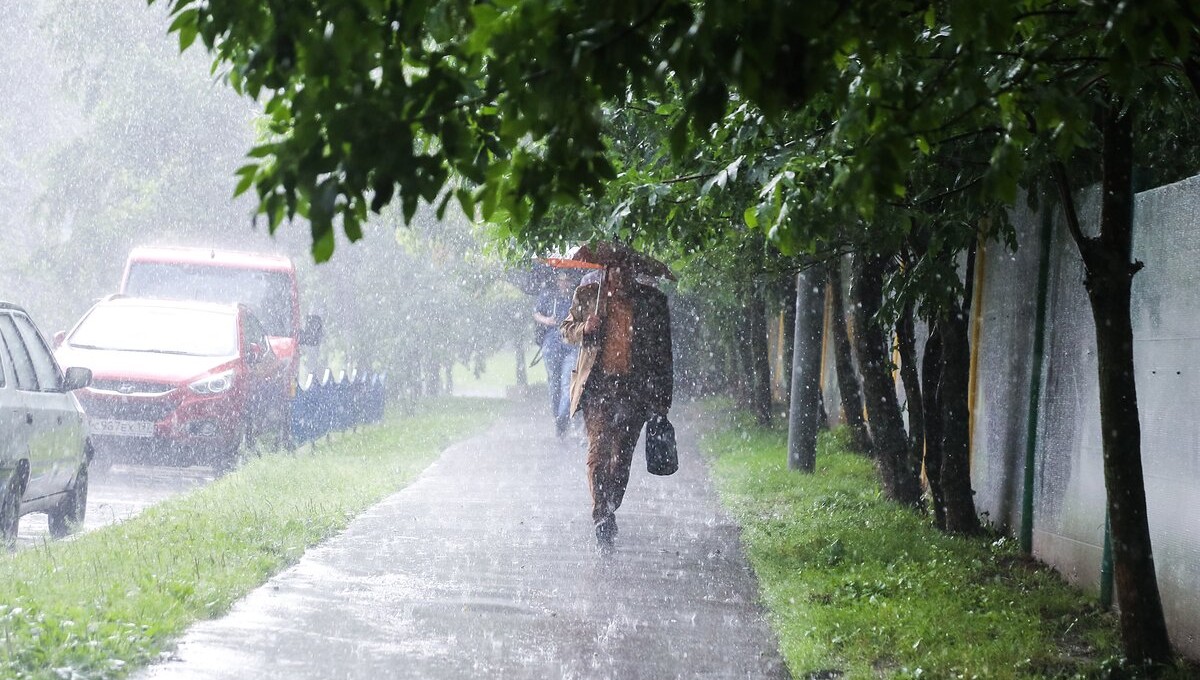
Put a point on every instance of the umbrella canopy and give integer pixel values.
(603, 254)
(568, 263)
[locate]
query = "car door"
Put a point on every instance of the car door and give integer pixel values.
(260, 371)
(30, 440)
(13, 433)
(58, 424)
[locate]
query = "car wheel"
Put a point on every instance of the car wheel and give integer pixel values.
(68, 515)
(226, 458)
(285, 427)
(10, 511)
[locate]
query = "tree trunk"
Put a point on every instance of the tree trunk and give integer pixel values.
(522, 375)
(851, 395)
(906, 343)
(760, 356)
(418, 373)
(743, 356)
(883, 411)
(958, 496)
(931, 372)
(806, 373)
(822, 414)
(787, 290)
(403, 382)
(1108, 278)
(433, 378)
(730, 355)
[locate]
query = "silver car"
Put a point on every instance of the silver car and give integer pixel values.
(44, 451)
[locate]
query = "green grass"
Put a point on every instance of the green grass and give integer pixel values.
(112, 599)
(499, 372)
(857, 585)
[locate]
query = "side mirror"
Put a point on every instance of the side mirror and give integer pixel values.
(58, 338)
(313, 332)
(76, 377)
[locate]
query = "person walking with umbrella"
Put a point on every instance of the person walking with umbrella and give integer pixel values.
(553, 303)
(625, 370)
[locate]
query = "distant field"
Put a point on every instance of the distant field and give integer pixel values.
(499, 374)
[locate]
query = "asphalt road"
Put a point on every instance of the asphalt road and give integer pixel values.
(118, 493)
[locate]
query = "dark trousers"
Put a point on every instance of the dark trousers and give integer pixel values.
(614, 418)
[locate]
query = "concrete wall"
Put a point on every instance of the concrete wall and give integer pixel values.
(1068, 515)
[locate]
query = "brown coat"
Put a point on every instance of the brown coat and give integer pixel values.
(652, 367)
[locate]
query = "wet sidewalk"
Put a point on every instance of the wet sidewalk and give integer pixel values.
(486, 567)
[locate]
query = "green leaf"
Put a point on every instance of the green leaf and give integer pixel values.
(467, 201)
(408, 204)
(323, 243)
(751, 216)
(385, 188)
(247, 174)
(262, 150)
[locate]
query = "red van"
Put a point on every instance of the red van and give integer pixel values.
(263, 282)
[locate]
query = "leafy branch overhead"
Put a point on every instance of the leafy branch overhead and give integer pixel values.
(499, 105)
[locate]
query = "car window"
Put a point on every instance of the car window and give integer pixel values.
(18, 356)
(156, 328)
(253, 332)
(48, 376)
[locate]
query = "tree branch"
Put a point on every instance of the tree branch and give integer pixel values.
(688, 178)
(994, 129)
(949, 193)
(1059, 171)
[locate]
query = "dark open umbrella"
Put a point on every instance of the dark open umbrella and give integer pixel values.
(607, 254)
(600, 255)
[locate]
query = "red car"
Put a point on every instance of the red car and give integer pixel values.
(177, 380)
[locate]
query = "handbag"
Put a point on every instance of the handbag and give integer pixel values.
(662, 457)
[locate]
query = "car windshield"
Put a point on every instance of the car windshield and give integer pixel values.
(268, 294)
(158, 329)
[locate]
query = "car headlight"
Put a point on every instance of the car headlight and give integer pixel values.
(213, 384)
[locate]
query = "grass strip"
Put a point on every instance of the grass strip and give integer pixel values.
(858, 587)
(112, 599)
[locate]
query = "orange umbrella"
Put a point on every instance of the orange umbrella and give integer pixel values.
(604, 254)
(568, 263)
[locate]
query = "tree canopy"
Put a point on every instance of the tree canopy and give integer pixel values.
(501, 105)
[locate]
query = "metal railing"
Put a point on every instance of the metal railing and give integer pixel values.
(331, 404)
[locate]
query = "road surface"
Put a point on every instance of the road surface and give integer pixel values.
(118, 493)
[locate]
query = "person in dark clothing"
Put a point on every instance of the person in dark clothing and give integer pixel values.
(624, 376)
(559, 356)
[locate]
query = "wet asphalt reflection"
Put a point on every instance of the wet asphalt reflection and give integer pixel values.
(118, 492)
(486, 566)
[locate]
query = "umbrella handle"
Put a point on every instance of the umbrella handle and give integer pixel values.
(600, 295)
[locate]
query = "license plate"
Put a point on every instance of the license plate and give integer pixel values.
(123, 428)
